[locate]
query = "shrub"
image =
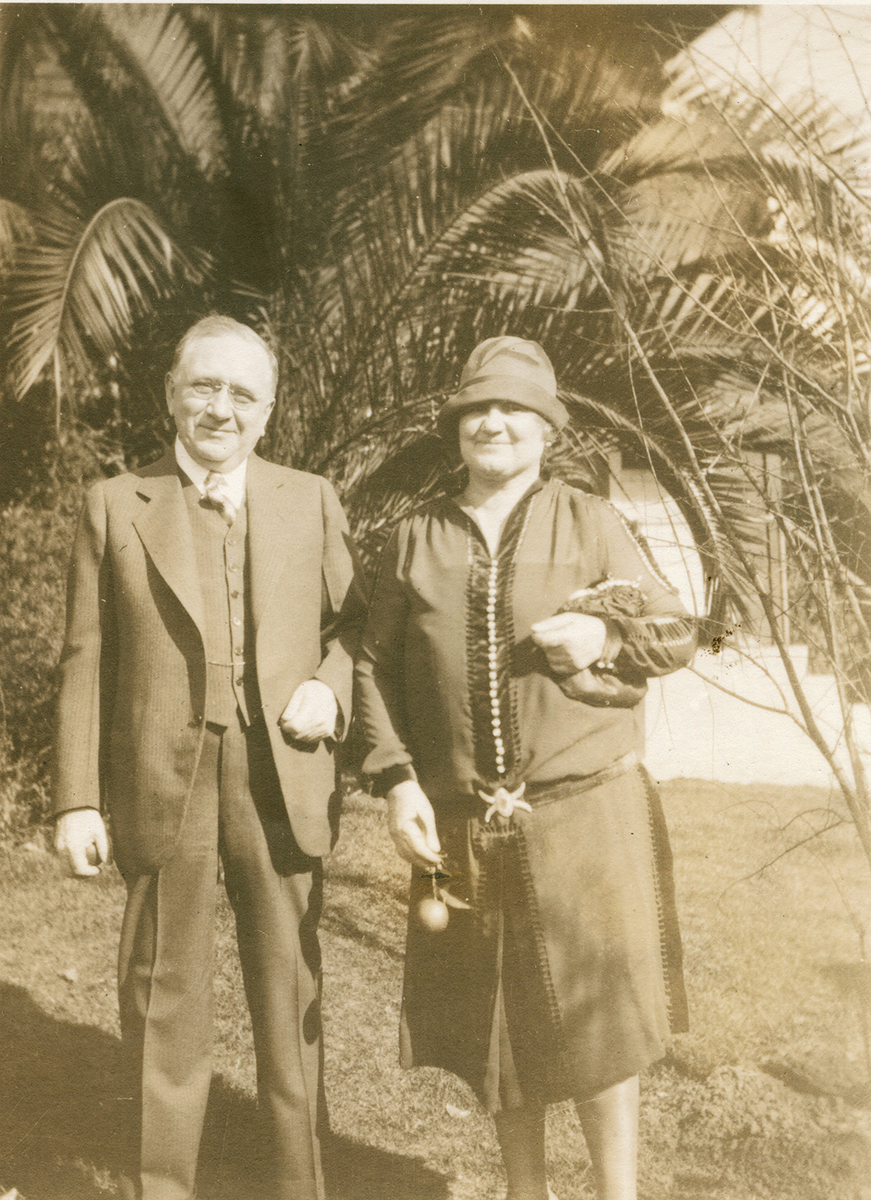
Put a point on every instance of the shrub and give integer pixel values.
(34, 549)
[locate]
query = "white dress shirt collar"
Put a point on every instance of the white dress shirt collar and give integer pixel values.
(197, 474)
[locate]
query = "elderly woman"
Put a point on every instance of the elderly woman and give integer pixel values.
(511, 631)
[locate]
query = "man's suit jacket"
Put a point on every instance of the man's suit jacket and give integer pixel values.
(133, 668)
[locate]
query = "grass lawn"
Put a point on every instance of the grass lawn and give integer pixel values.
(768, 1096)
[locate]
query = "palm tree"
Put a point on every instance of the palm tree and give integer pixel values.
(484, 197)
(503, 211)
(169, 153)
(208, 146)
(469, 174)
(466, 174)
(497, 175)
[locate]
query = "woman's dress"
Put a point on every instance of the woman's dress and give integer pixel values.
(559, 973)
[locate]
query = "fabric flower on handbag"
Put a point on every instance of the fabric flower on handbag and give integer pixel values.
(610, 598)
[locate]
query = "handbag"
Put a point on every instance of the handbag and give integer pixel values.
(604, 687)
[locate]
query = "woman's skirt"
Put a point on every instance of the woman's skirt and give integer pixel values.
(559, 972)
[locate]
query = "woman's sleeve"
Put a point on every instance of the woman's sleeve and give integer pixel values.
(663, 638)
(378, 678)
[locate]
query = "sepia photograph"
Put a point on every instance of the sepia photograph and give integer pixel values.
(435, 601)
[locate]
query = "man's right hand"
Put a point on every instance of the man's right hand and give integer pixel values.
(80, 838)
(411, 822)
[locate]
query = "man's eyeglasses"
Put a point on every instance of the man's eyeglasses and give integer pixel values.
(205, 389)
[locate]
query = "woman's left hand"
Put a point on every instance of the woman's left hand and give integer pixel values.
(570, 641)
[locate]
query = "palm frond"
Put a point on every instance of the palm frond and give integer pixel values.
(416, 471)
(77, 290)
(788, 114)
(22, 39)
(16, 227)
(611, 421)
(156, 45)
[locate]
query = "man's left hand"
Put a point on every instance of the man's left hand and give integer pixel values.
(311, 714)
(570, 641)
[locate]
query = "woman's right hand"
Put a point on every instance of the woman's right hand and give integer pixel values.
(411, 822)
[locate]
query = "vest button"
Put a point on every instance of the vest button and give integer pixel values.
(235, 595)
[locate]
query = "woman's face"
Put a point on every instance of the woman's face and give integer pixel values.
(500, 440)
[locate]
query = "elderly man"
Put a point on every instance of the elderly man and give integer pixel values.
(205, 677)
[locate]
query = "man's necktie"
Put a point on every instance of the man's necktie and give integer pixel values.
(217, 495)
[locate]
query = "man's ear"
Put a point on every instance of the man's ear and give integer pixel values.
(168, 389)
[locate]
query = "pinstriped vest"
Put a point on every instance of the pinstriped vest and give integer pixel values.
(231, 678)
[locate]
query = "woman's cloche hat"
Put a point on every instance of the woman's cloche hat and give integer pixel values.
(506, 368)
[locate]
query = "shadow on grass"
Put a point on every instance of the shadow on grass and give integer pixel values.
(60, 1137)
(357, 1172)
(341, 921)
(57, 1083)
(852, 980)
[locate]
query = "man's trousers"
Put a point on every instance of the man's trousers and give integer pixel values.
(166, 967)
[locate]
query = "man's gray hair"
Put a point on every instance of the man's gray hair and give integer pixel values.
(216, 325)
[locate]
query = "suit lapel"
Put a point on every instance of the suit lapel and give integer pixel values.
(273, 539)
(165, 529)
